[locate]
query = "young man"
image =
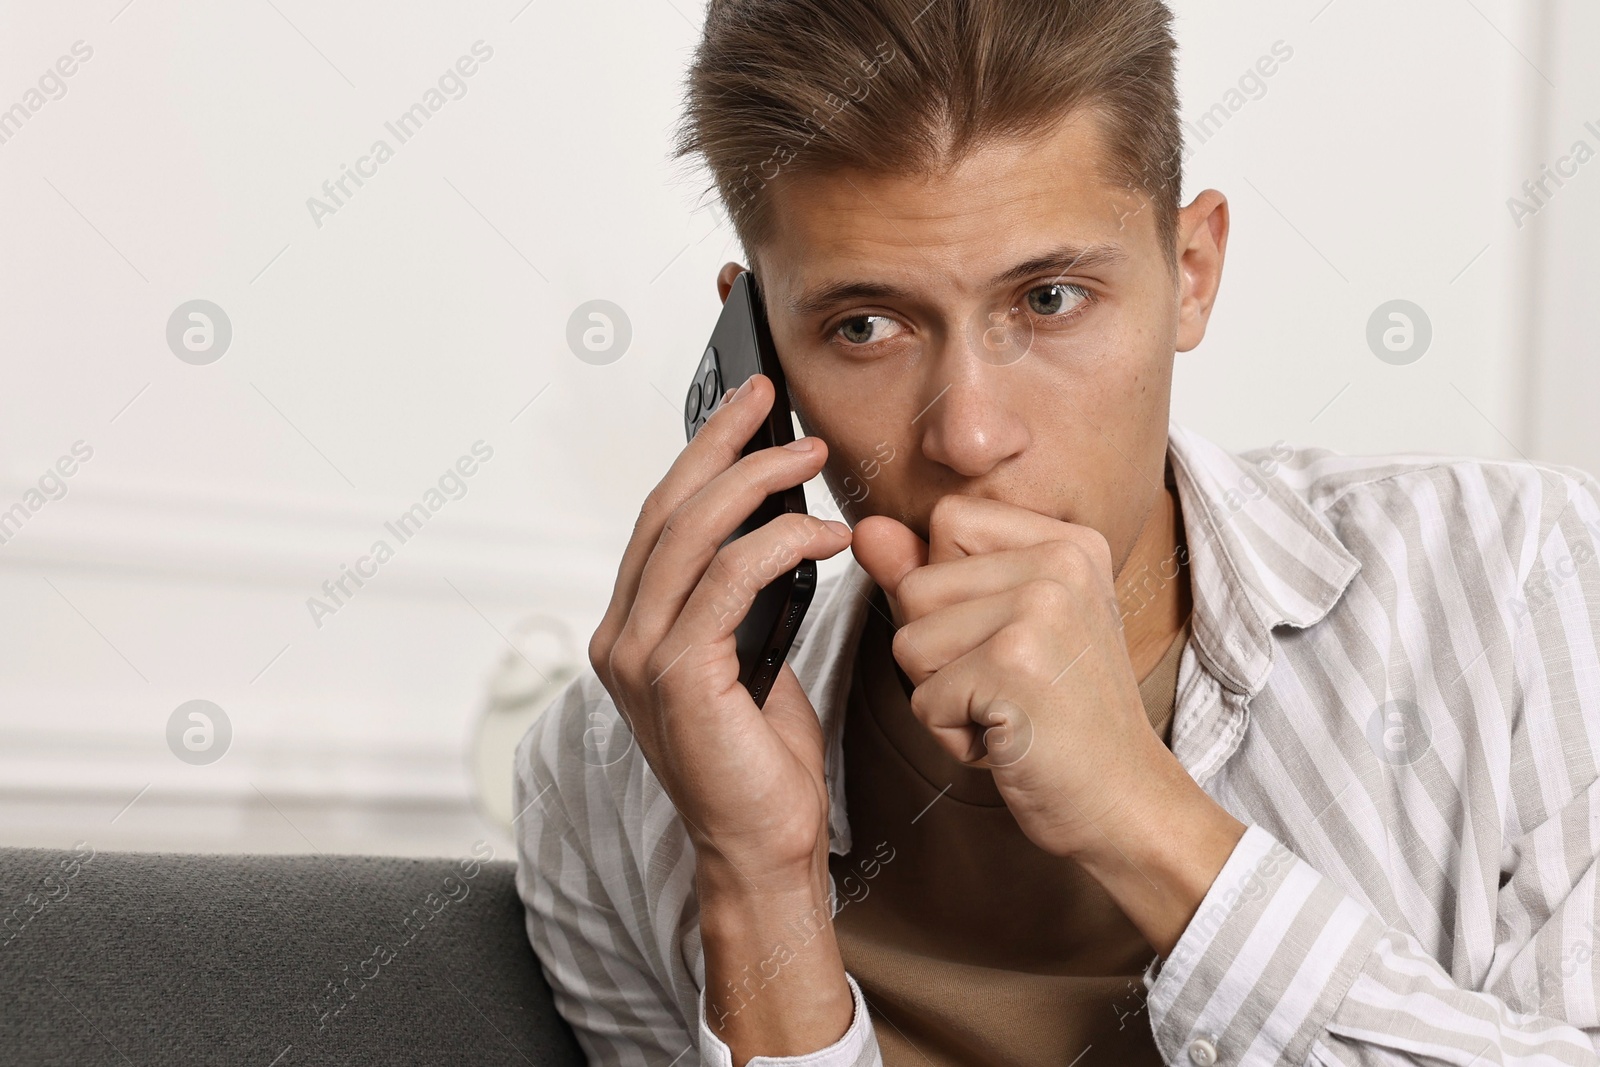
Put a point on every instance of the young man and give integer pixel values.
(1109, 746)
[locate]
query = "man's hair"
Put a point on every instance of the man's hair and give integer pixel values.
(910, 87)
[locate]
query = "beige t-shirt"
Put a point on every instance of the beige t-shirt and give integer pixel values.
(973, 945)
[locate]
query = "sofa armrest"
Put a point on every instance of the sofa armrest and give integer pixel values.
(272, 961)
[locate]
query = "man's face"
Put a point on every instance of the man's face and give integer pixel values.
(1005, 331)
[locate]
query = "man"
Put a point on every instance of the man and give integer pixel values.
(1109, 746)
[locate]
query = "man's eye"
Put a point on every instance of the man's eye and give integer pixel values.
(1055, 299)
(861, 329)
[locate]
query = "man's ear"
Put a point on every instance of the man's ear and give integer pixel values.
(1202, 241)
(725, 277)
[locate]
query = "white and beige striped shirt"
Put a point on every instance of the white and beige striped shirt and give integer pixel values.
(1392, 680)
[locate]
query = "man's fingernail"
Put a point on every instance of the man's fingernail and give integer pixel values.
(805, 444)
(743, 390)
(838, 527)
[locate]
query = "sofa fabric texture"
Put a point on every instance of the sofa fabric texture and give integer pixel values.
(269, 961)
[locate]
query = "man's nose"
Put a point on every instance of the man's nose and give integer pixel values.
(974, 414)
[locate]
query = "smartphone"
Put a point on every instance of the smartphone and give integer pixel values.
(741, 345)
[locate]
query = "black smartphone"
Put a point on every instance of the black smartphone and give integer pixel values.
(741, 345)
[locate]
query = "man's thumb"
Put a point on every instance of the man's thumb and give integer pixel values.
(887, 550)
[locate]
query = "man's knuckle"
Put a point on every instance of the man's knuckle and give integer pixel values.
(901, 648)
(627, 657)
(730, 566)
(1065, 557)
(1094, 545)
(1016, 647)
(921, 701)
(649, 509)
(912, 592)
(658, 664)
(599, 651)
(1045, 597)
(787, 537)
(945, 510)
(673, 527)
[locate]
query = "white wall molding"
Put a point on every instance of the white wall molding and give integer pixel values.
(168, 534)
(115, 764)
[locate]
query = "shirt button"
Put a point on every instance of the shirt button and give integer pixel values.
(1202, 1053)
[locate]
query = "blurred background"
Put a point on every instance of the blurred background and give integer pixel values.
(224, 380)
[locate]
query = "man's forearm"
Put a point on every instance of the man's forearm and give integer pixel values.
(775, 982)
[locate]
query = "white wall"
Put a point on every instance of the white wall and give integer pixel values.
(1374, 168)
(1563, 276)
(372, 351)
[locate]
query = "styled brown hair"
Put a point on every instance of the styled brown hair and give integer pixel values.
(909, 87)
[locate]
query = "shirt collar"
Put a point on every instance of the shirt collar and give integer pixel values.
(1259, 557)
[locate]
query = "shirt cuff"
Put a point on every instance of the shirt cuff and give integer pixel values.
(1264, 963)
(857, 1048)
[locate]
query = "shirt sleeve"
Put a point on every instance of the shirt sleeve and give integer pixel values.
(1281, 965)
(588, 929)
(857, 1048)
(600, 980)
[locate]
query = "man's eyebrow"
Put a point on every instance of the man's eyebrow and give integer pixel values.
(1063, 260)
(1057, 262)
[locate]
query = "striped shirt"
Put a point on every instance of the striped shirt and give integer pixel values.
(1392, 680)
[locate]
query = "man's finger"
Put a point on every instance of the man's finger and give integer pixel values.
(930, 642)
(722, 597)
(887, 550)
(691, 538)
(938, 586)
(713, 450)
(963, 525)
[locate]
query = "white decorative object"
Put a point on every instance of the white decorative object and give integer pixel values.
(541, 661)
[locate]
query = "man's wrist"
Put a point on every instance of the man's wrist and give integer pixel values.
(775, 982)
(733, 908)
(1159, 866)
(726, 877)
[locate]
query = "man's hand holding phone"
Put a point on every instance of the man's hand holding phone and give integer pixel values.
(747, 781)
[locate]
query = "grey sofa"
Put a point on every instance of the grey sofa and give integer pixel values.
(268, 961)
